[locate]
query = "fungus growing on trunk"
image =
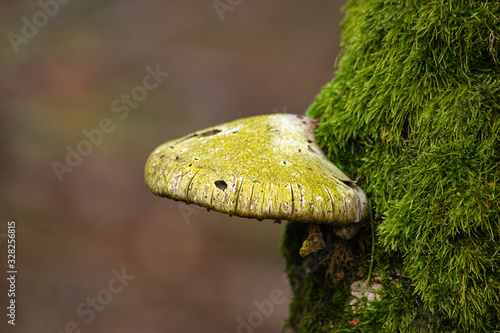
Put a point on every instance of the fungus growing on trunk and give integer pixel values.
(263, 167)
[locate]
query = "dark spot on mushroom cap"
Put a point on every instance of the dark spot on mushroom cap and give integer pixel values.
(221, 185)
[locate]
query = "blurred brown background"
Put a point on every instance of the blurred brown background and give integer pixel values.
(194, 271)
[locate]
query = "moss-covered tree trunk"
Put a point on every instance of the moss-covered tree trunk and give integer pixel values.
(413, 114)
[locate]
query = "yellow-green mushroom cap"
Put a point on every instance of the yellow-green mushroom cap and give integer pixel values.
(263, 167)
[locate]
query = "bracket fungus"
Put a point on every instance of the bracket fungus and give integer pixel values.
(262, 167)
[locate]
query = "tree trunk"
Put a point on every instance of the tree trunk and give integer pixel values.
(413, 114)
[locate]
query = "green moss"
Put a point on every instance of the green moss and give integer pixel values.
(414, 114)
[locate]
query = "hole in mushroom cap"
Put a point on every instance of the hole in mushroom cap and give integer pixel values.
(222, 185)
(202, 134)
(210, 132)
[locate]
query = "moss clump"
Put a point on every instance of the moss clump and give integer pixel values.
(414, 114)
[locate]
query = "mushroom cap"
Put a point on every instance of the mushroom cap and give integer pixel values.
(263, 167)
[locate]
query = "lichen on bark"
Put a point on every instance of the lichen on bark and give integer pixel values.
(413, 114)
